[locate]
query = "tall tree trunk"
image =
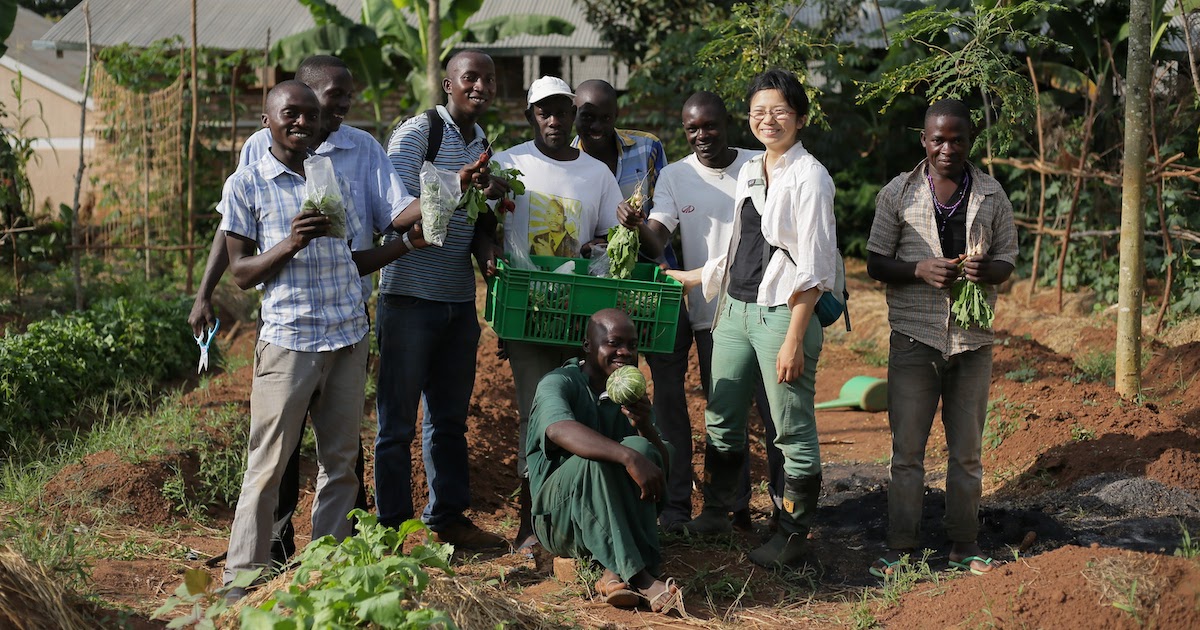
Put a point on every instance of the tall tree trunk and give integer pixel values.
(1130, 288)
(433, 55)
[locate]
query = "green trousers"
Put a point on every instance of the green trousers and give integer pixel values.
(747, 340)
(590, 510)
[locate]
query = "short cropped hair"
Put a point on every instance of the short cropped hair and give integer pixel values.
(784, 81)
(313, 67)
(951, 107)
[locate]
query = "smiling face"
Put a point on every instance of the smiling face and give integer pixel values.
(471, 83)
(334, 88)
(611, 343)
(551, 119)
(704, 127)
(947, 141)
(597, 105)
(773, 120)
(293, 116)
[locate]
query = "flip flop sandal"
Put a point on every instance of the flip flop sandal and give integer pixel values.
(621, 597)
(882, 567)
(673, 603)
(882, 572)
(966, 564)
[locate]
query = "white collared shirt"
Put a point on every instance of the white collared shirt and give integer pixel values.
(797, 218)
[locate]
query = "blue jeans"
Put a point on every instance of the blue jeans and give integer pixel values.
(426, 353)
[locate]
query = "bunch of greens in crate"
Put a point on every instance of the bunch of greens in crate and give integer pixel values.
(623, 243)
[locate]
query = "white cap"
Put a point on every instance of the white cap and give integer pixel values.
(546, 87)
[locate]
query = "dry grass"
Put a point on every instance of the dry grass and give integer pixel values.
(30, 599)
(1128, 582)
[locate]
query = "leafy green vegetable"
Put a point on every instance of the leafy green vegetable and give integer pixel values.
(46, 371)
(476, 202)
(332, 207)
(623, 244)
(970, 305)
(626, 385)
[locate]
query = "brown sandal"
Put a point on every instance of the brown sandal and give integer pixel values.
(618, 594)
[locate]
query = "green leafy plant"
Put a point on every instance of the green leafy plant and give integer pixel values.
(1003, 419)
(365, 580)
(48, 369)
(1023, 374)
(963, 53)
(1188, 548)
(1080, 433)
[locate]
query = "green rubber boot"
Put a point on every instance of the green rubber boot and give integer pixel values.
(787, 546)
(720, 492)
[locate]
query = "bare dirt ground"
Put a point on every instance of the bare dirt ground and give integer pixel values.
(1085, 495)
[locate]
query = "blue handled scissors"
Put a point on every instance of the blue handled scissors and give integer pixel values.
(203, 340)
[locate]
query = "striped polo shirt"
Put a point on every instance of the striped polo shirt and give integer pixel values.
(440, 274)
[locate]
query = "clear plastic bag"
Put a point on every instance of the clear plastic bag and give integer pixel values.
(516, 251)
(322, 193)
(599, 265)
(439, 198)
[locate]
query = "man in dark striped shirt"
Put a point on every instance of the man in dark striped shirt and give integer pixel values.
(428, 329)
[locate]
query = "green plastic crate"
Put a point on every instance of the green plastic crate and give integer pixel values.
(553, 308)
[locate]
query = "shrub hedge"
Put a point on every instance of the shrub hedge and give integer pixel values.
(46, 371)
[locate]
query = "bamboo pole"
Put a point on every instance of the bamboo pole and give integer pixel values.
(1169, 281)
(146, 181)
(76, 263)
(1037, 239)
(1064, 245)
(191, 190)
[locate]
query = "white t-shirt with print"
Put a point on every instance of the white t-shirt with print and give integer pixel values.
(565, 205)
(699, 201)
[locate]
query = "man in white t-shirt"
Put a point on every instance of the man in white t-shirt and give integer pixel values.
(696, 196)
(570, 201)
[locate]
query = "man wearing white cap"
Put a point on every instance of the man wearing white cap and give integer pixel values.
(570, 202)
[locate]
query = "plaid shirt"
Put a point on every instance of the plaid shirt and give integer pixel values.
(376, 192)
(904, 229)
(314, 304)
(640, 156)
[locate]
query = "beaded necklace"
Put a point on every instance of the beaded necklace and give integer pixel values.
(944, 212)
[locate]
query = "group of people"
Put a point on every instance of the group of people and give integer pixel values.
(757, 249)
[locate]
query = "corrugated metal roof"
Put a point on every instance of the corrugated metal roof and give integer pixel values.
(236, 24)
(61, 75)
(30, 26)
(221, 24)
(584, 41)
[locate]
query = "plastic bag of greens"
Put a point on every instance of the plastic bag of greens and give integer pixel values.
(322, 193)
(439, 198)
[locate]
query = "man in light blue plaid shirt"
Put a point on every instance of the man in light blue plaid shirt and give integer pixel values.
(311, 355)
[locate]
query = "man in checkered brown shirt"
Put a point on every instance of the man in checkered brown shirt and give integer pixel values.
(944, 220)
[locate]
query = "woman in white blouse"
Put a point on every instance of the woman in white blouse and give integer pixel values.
(781, 259)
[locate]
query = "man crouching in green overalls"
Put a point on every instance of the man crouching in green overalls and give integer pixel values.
(597, 470)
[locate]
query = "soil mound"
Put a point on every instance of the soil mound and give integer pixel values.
(103, 479)
(1108, 588)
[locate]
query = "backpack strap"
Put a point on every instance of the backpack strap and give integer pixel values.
(437, 127)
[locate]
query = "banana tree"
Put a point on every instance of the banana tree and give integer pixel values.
(384, 32)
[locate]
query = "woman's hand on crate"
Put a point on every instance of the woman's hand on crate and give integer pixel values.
(689, 279)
